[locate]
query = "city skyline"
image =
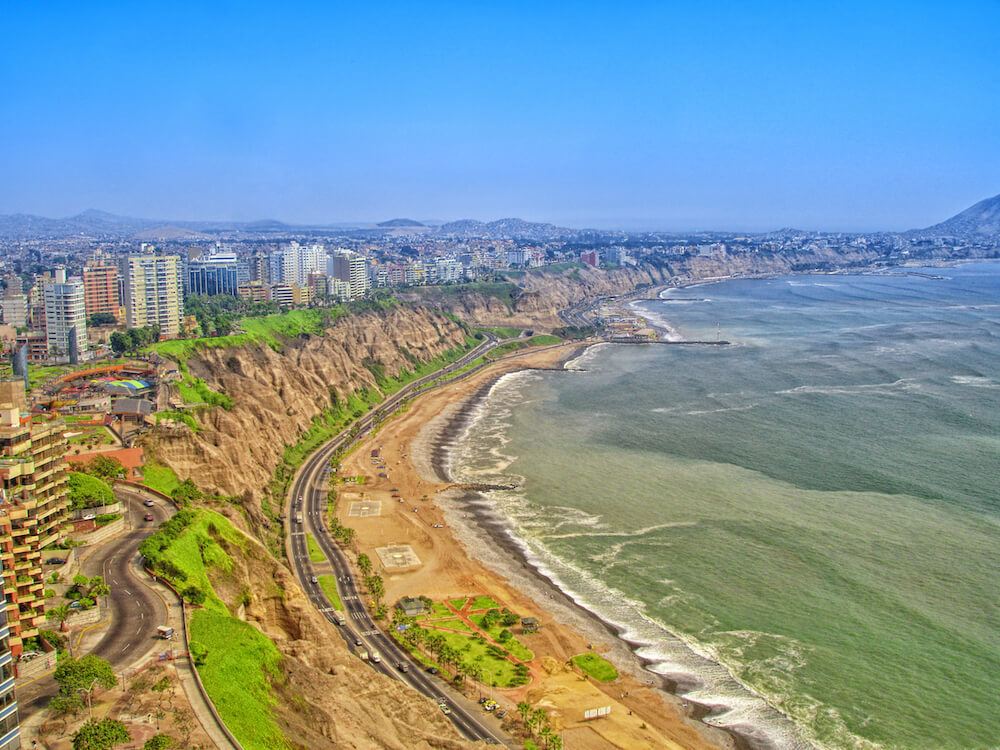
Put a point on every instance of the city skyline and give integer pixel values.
(632, 117)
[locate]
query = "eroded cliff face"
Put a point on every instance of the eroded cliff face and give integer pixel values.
(276, 395)
(326, 696)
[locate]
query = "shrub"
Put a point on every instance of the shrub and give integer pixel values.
(87, 491)
(193, 595)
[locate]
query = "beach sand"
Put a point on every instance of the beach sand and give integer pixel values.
(643, 714)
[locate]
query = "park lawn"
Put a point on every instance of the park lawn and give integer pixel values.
(160, 478)
(484, 602)
(329, 585)
(596, 666)
(315, 553)
(517, 649)
(97, 435)
(458, 603)
(452, 624)
(475, 654)
(438, 609)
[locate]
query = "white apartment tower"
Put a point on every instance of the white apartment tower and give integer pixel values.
(352, 268)
(65, 318)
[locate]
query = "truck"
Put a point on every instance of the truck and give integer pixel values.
(298, 518)
(165, 632)
(339, 618)
(363, 654)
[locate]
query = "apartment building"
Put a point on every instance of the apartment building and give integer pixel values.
(153, 292)
(10, 730)
(352, 268)
(33, 507)
(215, 274)
(65, 319)
(101, 287)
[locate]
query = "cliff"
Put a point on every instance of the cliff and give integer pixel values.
(277, 394)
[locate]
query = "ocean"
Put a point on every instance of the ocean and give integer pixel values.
(801, 529)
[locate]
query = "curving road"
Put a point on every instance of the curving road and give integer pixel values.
(308, 496)
(136, 609)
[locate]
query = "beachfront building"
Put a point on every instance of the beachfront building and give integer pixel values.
(153, 292)
(65, 319)
(33, 507)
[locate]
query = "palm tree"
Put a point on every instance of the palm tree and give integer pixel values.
(61, 614)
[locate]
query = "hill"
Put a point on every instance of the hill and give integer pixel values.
(398, 223)
(982, 219)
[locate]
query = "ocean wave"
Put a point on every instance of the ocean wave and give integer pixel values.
(974, 381)
(897, 386)
(658, 321)
(577, 363)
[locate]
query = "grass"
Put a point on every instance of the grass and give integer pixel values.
(517, 649)
(96, 435)
(542, 339)
(239, 662)
(485, 602)
(505, 332)
(329, 585)
(495, 670)
(179, 416)
(439, 610)
(272, 330)
(315, 553)
(159, 477)
(452, 624)
(596, 666)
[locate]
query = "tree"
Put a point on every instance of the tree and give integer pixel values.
(193, 595)
(364, 564)
(524, 709)
(102, 319)
(159, 742)
(100, 735)
(119, 342)
(104, 467)
(82, 676)
(60, 614)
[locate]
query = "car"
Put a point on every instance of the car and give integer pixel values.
(75, 605)
(28, 655)
(444, 709)
(314, 579)
(501, 713)
(55, 561)
(89, 517)
(439, 526)
(148, 503)
(432, 670)
(357, 641)
(402, 666)
(148, 517)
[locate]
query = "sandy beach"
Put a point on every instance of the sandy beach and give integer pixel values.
(469, 555)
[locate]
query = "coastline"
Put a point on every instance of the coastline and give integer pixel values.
(414, 446)
(484, 531)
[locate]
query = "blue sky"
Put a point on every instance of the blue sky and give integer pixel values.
(671, 115)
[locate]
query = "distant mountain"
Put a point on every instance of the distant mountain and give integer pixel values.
(982, 219)
(400, 223)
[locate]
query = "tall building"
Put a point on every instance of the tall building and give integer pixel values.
(33, 507)
(352, 268)
(14, 304)
(65, 318)
(213, 274)
(153, 292)
(10, 729)
(292, 263)
(100, 287)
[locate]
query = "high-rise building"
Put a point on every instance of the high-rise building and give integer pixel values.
(153, 292)
(10, 729)
(33, 507)
(213, 274)
(352, 268)
(100, 287)
(292, 263)
(65, 318)
(14, 304)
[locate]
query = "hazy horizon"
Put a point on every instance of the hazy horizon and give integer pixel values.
(853, 118)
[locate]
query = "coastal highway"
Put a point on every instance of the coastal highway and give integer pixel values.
(308, 496)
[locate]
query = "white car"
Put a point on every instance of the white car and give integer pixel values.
(314, 579)
(148, 503)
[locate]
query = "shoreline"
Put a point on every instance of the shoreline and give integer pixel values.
(534, 582)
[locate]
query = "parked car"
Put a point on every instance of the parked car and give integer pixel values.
(432, 670)
(29, 655)
(89, 517)
(55, 561)
(148, 517)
